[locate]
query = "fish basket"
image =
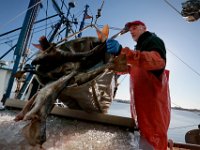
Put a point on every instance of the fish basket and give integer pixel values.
(95, 87)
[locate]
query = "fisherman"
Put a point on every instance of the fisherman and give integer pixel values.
(150, 99)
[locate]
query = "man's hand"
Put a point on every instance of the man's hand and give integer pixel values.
(119, 64)
(113, 46)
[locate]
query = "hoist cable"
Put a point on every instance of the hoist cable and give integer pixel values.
(172, 7)
(192, 69)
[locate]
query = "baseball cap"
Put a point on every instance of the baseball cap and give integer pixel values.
(137, 22)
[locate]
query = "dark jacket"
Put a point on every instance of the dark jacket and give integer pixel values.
(150, 42)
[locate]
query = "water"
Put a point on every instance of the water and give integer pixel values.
(181, 121)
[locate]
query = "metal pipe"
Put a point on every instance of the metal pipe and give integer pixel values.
(123, 31)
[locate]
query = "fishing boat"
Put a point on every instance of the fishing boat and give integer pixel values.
(25, 85)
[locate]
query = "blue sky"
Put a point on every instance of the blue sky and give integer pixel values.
(181, 38)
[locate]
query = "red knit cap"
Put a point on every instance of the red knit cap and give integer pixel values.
(137, 22)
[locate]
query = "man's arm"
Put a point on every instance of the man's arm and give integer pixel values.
(148, 60)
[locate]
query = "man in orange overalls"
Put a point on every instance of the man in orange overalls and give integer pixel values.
(150, 99)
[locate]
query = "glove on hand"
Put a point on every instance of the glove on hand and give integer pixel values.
(113, 46)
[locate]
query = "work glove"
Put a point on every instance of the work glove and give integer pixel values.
(113, 47)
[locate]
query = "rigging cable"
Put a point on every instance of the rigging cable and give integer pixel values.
(172, 7)
(192, 69)
(114, 28)
(34, 23)
(23, 12)
(62, 4)
(46, 13)
(49, 25)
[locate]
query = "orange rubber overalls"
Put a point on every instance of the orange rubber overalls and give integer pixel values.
(150, 99)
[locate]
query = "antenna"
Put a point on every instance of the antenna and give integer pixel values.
(71, 4)
(99, 12)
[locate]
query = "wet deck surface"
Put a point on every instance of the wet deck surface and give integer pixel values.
(65, 134)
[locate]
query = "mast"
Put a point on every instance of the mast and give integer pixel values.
(62, 20)
(83, 21)
(22, 42)
(25, 36)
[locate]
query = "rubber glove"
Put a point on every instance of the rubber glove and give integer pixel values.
(113, 46)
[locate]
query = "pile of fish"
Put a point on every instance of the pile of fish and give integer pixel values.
(75, 72)
(191, 10)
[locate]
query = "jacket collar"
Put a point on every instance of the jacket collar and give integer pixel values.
(142, 38)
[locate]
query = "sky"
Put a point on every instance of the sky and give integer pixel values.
(181, 37)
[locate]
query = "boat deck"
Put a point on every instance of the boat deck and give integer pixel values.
(69, 133)
(65, 133)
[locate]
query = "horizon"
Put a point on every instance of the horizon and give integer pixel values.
(172, 107)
